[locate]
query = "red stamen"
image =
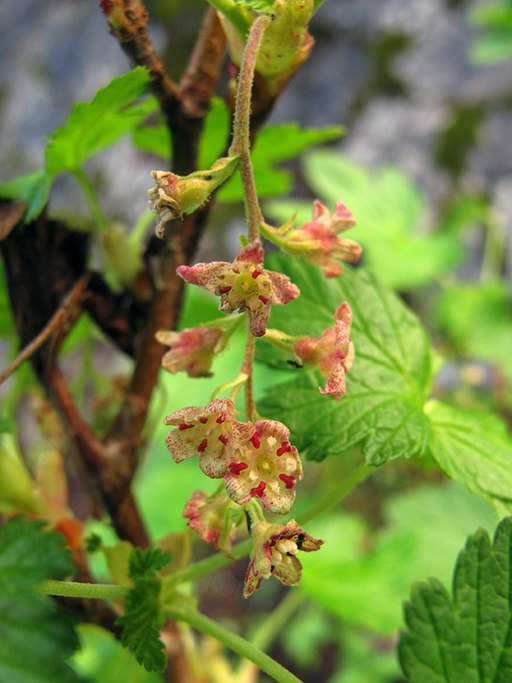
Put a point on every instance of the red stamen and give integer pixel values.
(202, 446)
(224, 290)
(184, 425)
(263, 299)
(255, 440)
(256, 273)
(221, 419)
(203, 420)
(285, 448)
(288, 480)
(237, 467)
(223, 439)
(259, 490)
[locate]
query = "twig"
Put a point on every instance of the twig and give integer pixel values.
(128, 23)
(54, 324)
(202, 73)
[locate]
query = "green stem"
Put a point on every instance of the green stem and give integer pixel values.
(247, 368)
(241, 144)
(92, 198)
(278, 620)
(75, 589)
(234, 642)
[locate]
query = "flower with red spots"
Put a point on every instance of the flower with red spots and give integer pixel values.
(274, 553)
(319, 242)
(211, 518)
(333, 352)
(266, 466)
(243, 285)
(191, 351)
(212, 432)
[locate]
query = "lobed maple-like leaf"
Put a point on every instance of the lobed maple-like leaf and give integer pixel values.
(387, 386)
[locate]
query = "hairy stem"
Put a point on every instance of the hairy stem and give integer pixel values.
(247, 368)
(241, 126)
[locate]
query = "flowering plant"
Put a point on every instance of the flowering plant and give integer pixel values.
(239, 371)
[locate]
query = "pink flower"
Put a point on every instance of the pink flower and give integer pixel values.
(274, 552)
(266, 466)
(212, 432)
(243, 285)
(333, 352)
(210, 517)
(191, 351)
(318, 240)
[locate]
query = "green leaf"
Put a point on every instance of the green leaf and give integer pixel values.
(274, 145)
(387, 386)
(388, 208)
(154, 139)
(256, 5)
(35, 638)
(31, 188)
(472, 447)
(215, 136)
(141, 624)
(145, 563)
(361, 576)
(94, 125)
(104, 660)
(465, 636)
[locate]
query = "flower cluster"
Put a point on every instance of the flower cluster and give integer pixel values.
(255, 459)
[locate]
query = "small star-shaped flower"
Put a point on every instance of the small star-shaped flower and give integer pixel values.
(319, 242)
(266, 466)
(192, 350)
(274, 553)
(332, 353)
(243, 285)
(212, 432)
